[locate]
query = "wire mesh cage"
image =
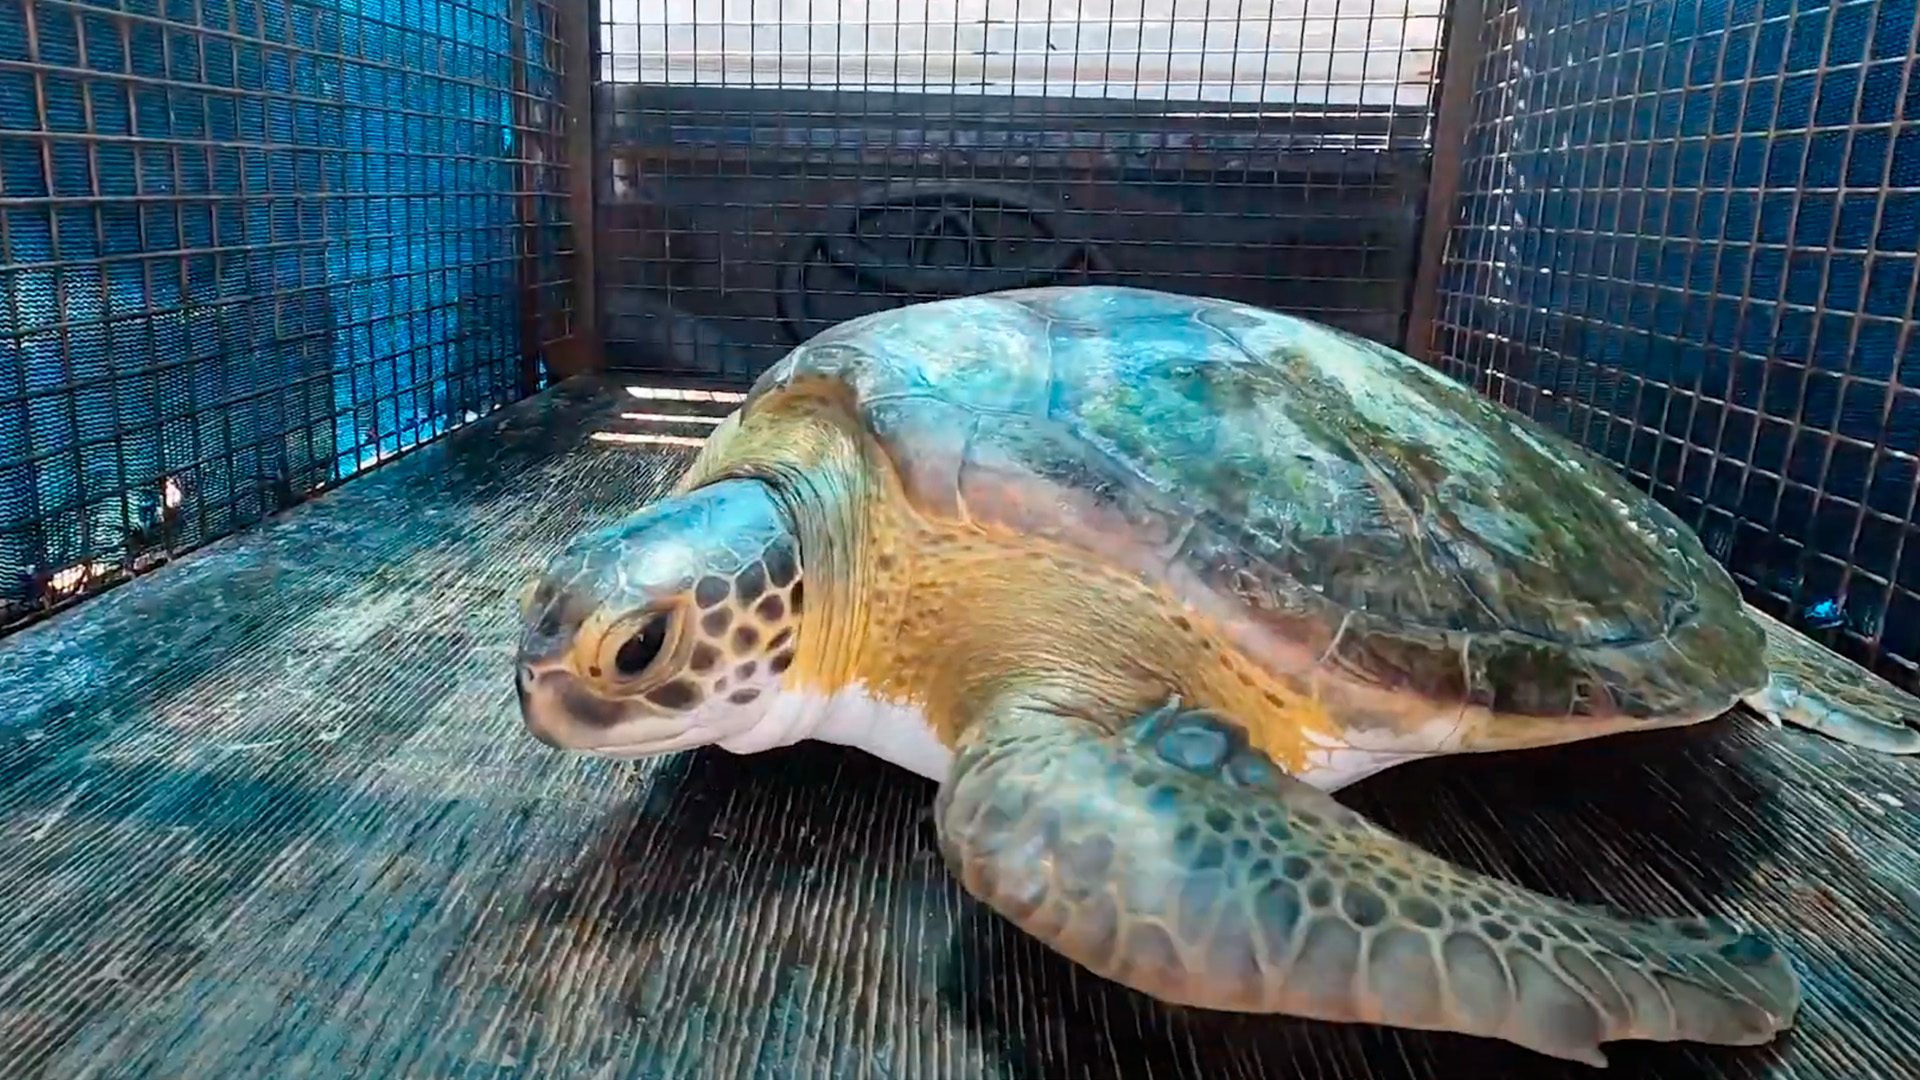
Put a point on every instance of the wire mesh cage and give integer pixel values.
(1686, 235)
(252, 247)
(773, 166)
(249, 248)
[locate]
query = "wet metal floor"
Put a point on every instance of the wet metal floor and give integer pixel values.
(268, 812)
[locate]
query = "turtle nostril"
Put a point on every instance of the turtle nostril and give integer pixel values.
(523, 685)
(523, 689)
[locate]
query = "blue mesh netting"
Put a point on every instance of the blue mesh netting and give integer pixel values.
(1688, 234)
(251, 248)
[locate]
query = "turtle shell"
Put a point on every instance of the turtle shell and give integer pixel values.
(1340, 508)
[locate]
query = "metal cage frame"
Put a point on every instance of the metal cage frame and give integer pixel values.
(253, 247)
(560, 182)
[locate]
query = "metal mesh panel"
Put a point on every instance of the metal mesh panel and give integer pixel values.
(774, 166)
(1687, 236)
(247, 249)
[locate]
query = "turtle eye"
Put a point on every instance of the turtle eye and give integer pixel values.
(643, 648)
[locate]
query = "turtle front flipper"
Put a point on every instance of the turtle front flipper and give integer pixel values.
(1813, 687)
(1177, 860)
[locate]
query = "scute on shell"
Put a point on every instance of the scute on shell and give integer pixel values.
(1337, 504)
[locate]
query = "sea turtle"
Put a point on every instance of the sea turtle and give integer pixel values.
(1139, 578)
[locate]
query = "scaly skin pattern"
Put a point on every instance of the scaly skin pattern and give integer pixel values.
(686, 612)
(1164, 848)
(847, 519)
(1173, 858)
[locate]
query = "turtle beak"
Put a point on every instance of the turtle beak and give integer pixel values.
(562, 710)
(532, 715)
(538, 668)
(556, 708)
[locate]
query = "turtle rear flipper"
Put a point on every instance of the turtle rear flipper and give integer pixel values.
(1177, 860)
(1813, 687)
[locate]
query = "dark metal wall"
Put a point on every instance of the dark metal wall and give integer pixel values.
(1686, 234)
(250, 247)
(767, 172)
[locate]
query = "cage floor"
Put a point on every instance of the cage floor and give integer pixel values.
(269, 812)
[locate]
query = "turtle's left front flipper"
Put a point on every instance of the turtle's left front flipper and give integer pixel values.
(1175, 859)
(1813, 687)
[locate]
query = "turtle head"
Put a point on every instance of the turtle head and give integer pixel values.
(668, 630)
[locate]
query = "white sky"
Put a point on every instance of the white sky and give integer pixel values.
(1281, 51)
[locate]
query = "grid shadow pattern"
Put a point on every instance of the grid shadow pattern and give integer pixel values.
(1686, 236)
(771, 167)
(248, 248)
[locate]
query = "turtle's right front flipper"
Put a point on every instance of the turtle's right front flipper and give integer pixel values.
(1176, 860)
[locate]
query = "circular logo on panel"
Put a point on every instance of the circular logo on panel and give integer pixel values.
(912, 241)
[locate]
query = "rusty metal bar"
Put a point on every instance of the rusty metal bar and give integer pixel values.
(581, 353)
(527, 203)
(1460, 67)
